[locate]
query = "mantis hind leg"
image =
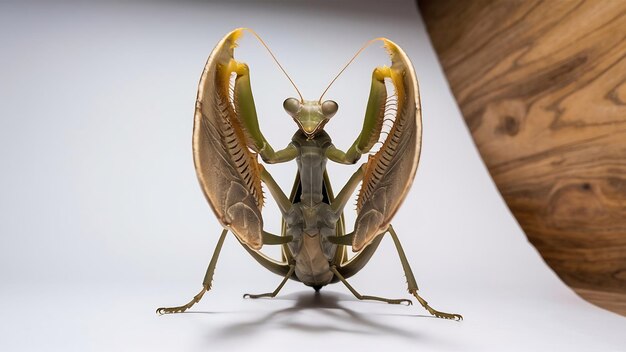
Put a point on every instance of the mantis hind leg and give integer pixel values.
(357, 263)
(206, 283)
(364, 297)
(268, 238)
(277, 290)
(412, 284)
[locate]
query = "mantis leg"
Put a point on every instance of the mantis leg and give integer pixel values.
(363, 297)
(275, 292)
(206, 283)
(283, 202)
(271, 239)
(344, 195)
(244, 102)
(356, 264)
(412, 284)
(372, 123)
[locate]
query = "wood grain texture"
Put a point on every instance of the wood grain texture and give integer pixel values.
(613, 301)
(542, 87)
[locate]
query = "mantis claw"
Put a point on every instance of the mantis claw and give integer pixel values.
(261, 295)
(253, 296)
(249, 295)
(442, 315)
(408, 302)
(182, 309)
(171, 310)
(434, 312)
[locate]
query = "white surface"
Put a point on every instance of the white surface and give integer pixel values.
(103, 221)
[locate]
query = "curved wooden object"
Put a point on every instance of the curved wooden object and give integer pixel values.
(542, 87)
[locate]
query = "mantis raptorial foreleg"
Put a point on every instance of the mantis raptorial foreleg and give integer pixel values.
(244, 104)
(273, 294)
(206, 283)
(372, 124)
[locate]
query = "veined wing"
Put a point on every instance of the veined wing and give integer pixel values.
(227, 169)
(390, 172)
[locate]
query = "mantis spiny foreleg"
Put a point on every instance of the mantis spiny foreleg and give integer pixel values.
(244, 105)
(372, 124)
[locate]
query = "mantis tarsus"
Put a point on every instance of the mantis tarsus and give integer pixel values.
(227, 142)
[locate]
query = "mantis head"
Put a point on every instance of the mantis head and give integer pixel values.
(310, 115)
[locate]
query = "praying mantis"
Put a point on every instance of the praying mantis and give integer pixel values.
(227, 144)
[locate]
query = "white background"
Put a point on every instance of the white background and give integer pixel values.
(102, 219)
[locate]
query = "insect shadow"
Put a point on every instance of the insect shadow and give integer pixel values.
(327, 303)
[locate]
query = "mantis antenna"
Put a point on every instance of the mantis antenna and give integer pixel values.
(275, 60)
(348, 64)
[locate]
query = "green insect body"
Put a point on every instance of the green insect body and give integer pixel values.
(227, 143)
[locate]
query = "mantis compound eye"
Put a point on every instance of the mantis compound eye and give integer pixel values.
(329, 108)
(291, 105)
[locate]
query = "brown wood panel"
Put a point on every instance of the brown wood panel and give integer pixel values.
(613, 301)
(542, 87)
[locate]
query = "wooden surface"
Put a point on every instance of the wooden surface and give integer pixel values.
(542, 87)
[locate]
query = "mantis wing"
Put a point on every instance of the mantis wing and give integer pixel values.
(389, 173)
(227, 169)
